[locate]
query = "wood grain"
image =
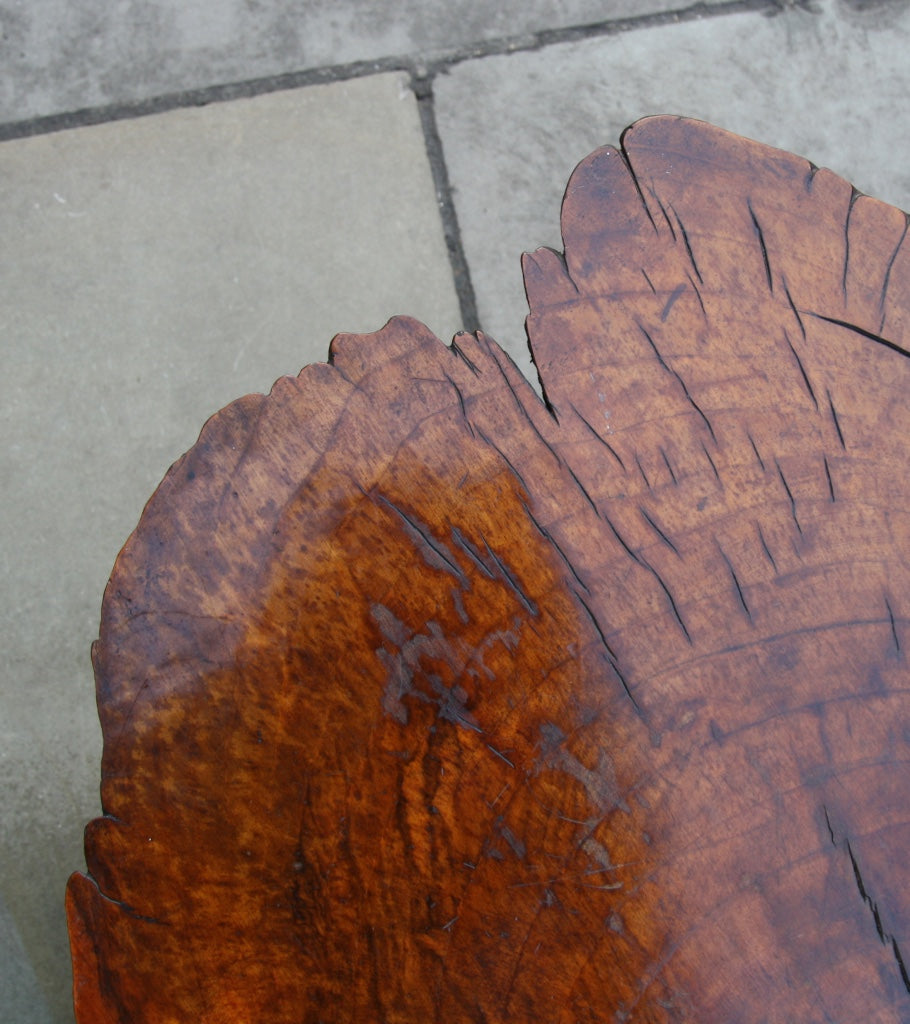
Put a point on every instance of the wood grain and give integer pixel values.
(426, 700)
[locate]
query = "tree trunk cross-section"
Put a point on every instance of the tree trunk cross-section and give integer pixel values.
(425, 700)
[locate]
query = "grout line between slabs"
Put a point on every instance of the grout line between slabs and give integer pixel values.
(422, 73)
(464, 288)
(415, 65)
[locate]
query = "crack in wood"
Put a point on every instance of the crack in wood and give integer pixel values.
(599, 437)
(790, 496)
(836, 420)
(802, 370)
(688, 245)
(766, 262)
(736, 584)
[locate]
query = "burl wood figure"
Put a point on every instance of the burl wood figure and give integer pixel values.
(425, 700)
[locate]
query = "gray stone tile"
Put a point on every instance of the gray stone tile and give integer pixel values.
(20, 995)
(151, 271)
(831, 85)
(60, 56)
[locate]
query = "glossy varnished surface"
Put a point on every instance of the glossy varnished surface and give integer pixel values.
(424, 701)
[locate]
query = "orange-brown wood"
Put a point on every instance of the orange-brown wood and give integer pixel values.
(425, 700)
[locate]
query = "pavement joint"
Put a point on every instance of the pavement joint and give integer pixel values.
(422, 86)
(422, 71)
(419, 67)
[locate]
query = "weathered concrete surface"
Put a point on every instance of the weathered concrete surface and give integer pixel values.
(152, 271)
(830, 85)
(22, 997)
(59, 56)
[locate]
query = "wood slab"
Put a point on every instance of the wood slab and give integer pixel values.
(426, 700)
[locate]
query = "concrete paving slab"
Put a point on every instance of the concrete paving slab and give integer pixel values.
(152, 271)
(827, 81)
(60, 56)
(21, 998)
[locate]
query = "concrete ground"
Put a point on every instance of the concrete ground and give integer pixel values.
(195, 195)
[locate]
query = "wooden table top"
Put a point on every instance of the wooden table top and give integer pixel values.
(426, 700)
